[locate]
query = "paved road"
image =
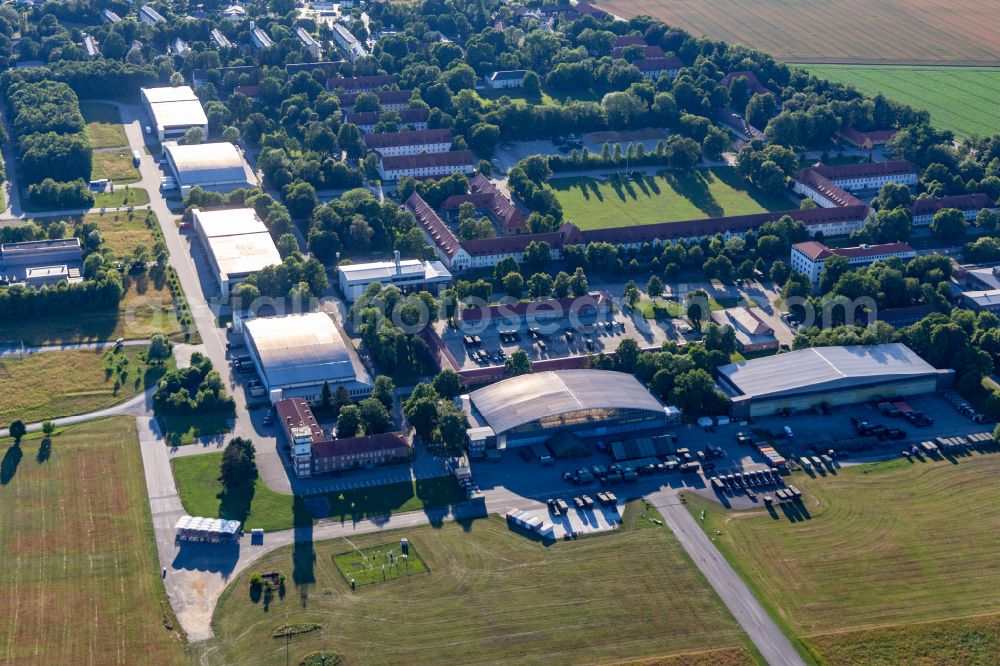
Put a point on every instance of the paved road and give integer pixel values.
(139, 403)
(761, 629)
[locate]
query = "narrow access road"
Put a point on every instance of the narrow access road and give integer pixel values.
(96, 346)
(765, 634)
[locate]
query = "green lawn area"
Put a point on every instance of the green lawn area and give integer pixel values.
(516, 96)
(123, 230)
(672, 196)
(961, 99)
(147, 308)
(180, 430)
(133, 196)
(201, 493)
(661, 309)
(378, 564)
(887, 548)
(47, 385)
(115, 165)
(79, 563)
(492, 596)
(104, 125)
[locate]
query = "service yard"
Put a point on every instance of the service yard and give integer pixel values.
(891, 562)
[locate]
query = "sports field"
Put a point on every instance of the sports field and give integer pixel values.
(670, 197)
(961, 99)
(846, 31)
(888, 546)
(491, 596)
(78, 564)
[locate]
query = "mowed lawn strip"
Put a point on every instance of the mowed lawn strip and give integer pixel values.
(492, 596)
(894, 31)
(669, 197)
(960, 99)
(50, 384)
(201, 494)
(104, 124)
(78, 562)
(892, 543)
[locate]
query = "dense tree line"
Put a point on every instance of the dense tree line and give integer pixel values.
(195, 389)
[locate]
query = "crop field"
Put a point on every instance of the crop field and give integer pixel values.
(491, 596)
(961, 99)
(897, 563)
(669, 197)
(77, 560)
(73, 381)
(888, 31)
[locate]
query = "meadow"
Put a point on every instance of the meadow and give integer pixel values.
(672, 196)
(104, 125)
(77, 558)
(896, 562)
(961, 99)
(51, 384)
(889, 32)
(491, 596)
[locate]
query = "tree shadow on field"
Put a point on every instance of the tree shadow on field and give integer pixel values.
(11, 459)
(693, 185)
(44, 450)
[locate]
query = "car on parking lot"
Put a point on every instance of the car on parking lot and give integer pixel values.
(554, 507)
(578, 503)
(588, 501)
(268, 418)
(563, 506)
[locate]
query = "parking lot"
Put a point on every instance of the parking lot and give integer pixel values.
(588, 334)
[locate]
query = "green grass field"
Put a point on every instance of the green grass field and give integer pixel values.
(888, 548)
(366, 566)
(670, 197)
(492, 596)
(961, 99)
(77, 559)
(114, 165)
(133, 196)
(197, 480)
(75, 381)
(104, 125)
(122, 230)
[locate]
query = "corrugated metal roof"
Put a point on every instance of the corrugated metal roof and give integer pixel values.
(823, 369)
(299, 349)
(520, 400)
(207, 163)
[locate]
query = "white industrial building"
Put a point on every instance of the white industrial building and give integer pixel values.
(174, 110)
(803, 379)
(218, 167)
(296, 355)
(237, 244)
(260, 39)
(407, 274)
(510, 78)
(150, 16)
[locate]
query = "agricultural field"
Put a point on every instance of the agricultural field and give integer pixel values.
(889, 32)
(104, 125)
(201, 494)
(883, 570)
(50, 384)
(492, 596)
(77, 558)
(961, 99)
(669, 197)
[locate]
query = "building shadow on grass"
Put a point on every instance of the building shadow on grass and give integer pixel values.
(303, 552)
(11, 460)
